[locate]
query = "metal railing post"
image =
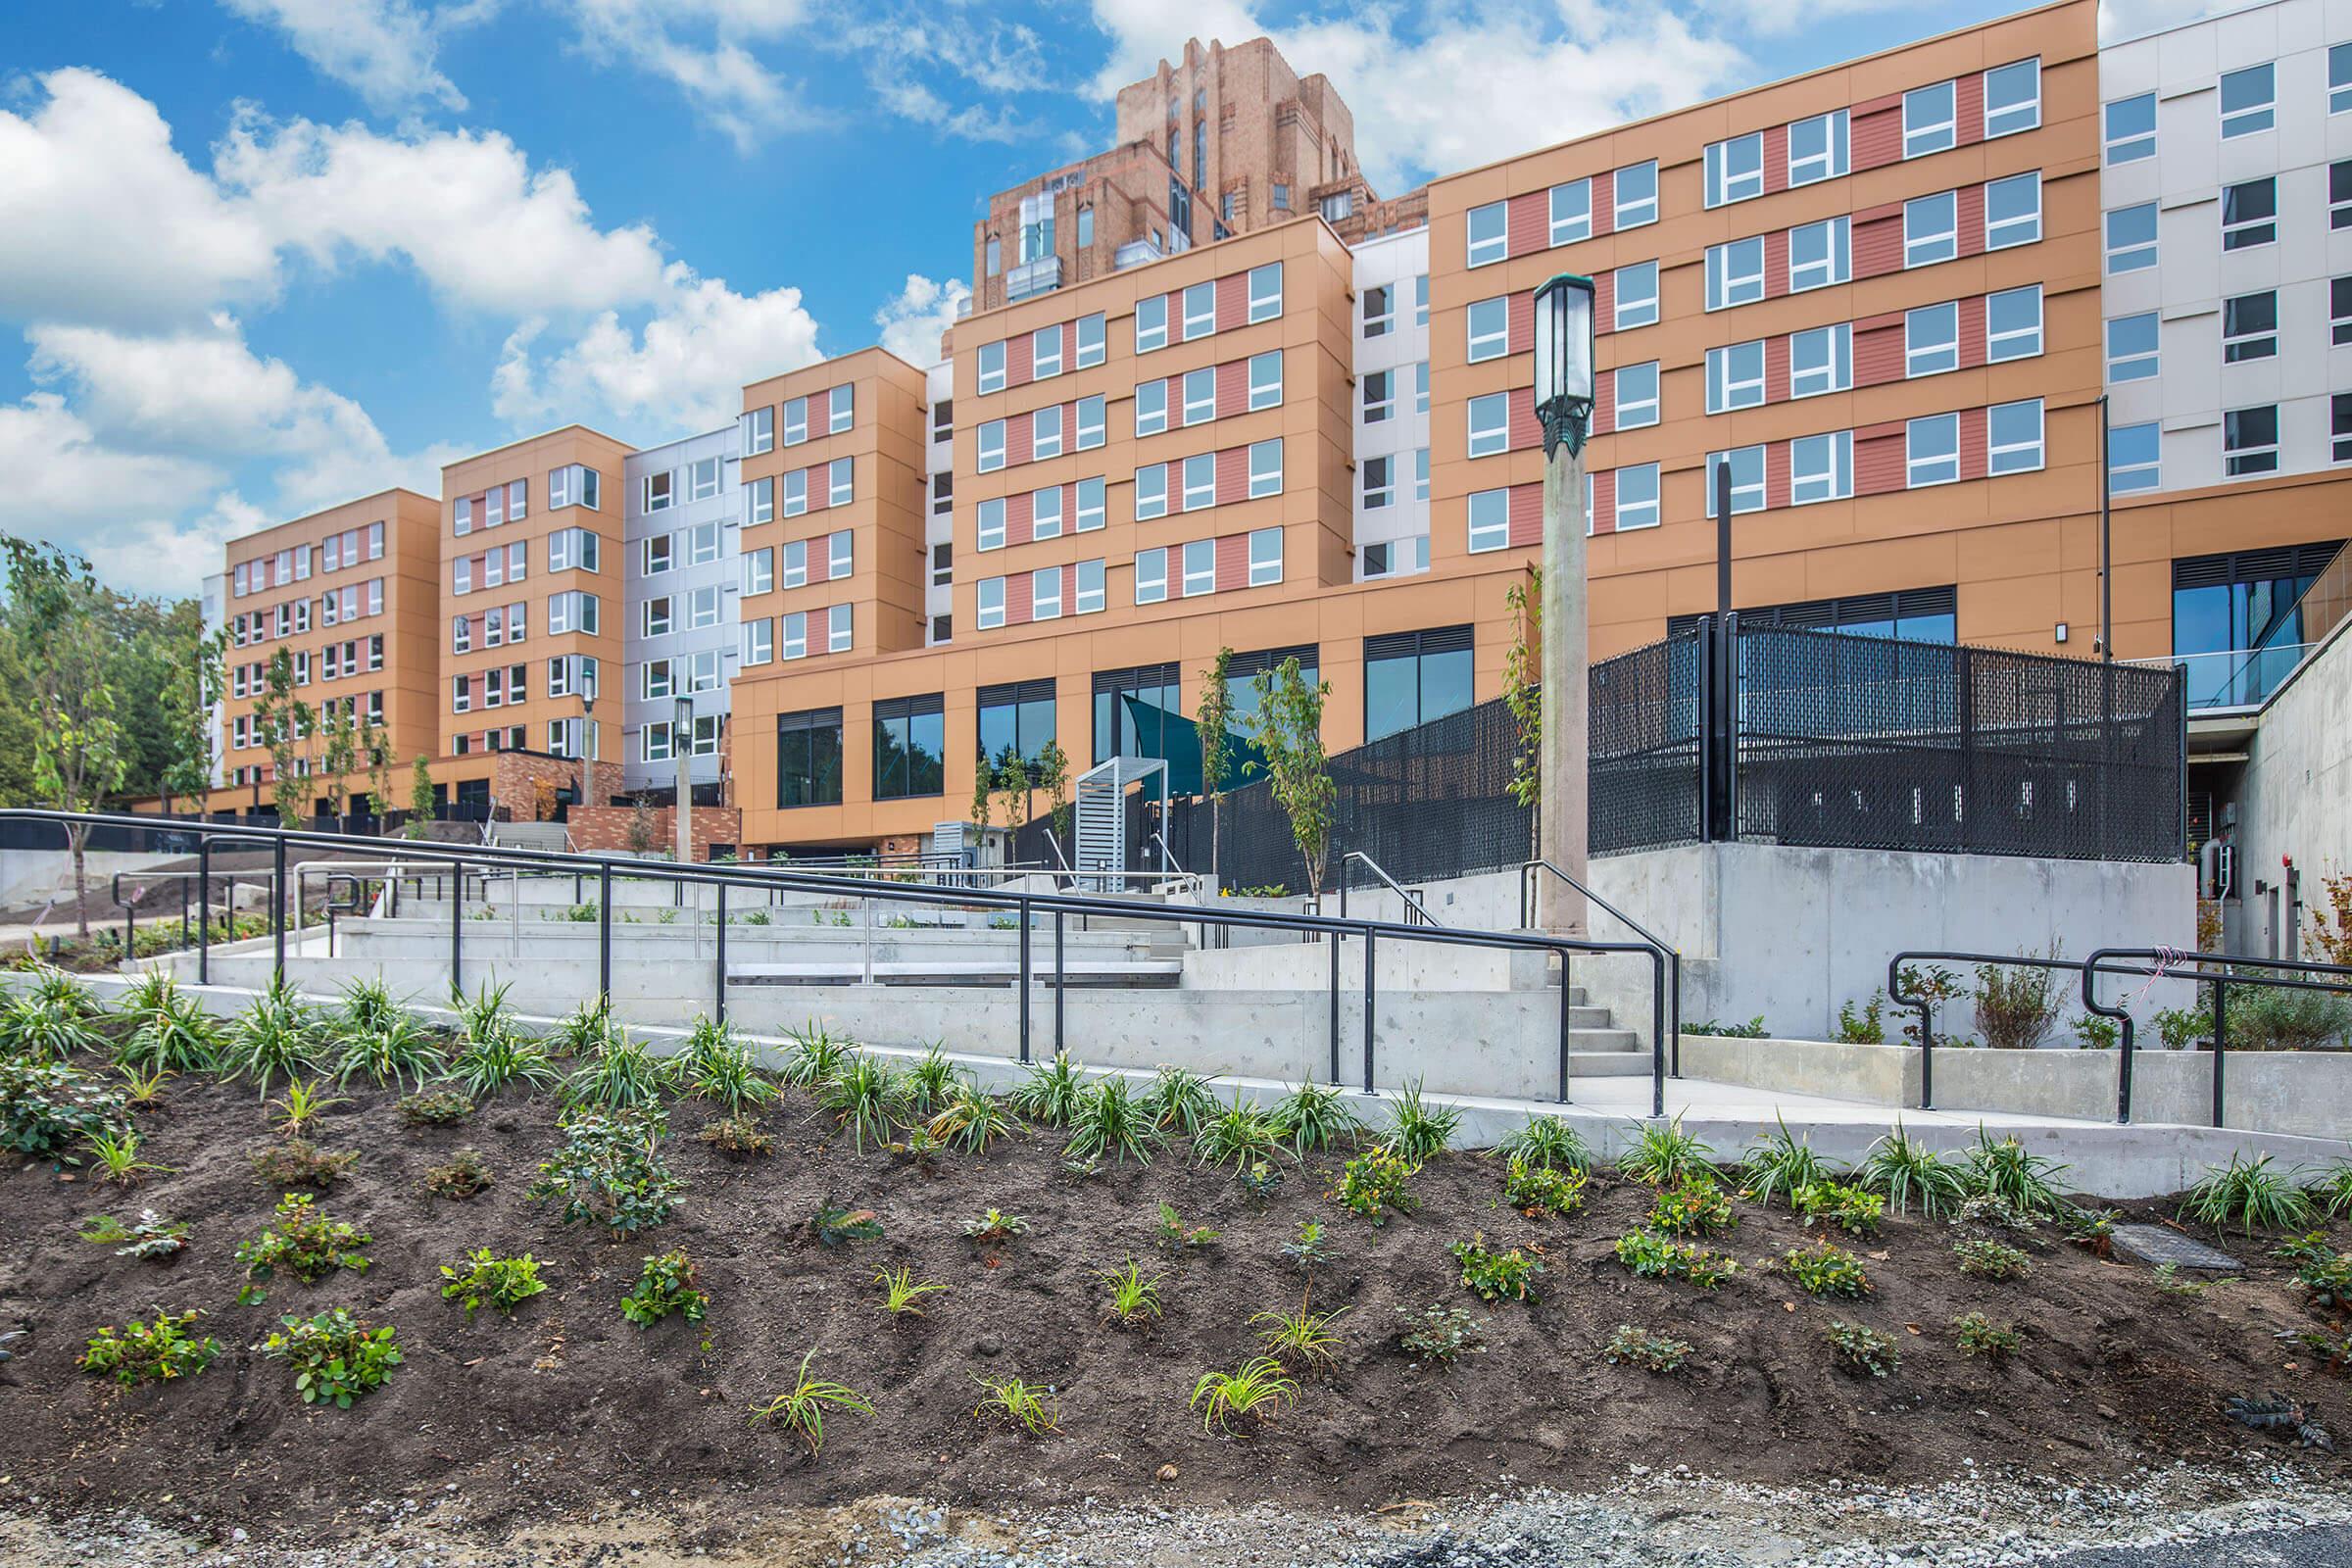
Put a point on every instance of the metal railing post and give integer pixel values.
(718, 990)
(2123, 1077)
(603, 930)
(1657, 1024)
(1060, 982)
(204, 910)
(457, 935)
(1333, 938)
(1567, 1023)
(2221, 1046)
(1370, 942)
(1024, 979)
(277, 907)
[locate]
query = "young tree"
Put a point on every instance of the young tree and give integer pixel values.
(79, 755)
(1212, 718)
(340, 752)
(1014, 781)
(194, 690)
(1288, 728)
(1054, 777)
(984, 792)
(378, 758)
(285, 724)
(1521, 695)
(420, 800)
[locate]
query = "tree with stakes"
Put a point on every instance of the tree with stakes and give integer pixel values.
(1212, 718)
(1288, 728)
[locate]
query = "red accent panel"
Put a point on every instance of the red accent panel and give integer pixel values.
(1523, 430)
(1878, 462)
(1232, 388)
(1020, 514)
(1233, 561)
(1520, 332)
(1233, 474)
(1968, 110)
(1019, 447)
(1017, 360)
(1604, 502)
(1233, 300)
(1973, 454)
(1776, 159)
(1019, 593)
(1875, 134)
(1527, 514)
(1879, 354)
(1529, 222)
(1971, 209)
(1605, 202)
(1604, 403)
(1878, 245)
(1776, 370)
(1776, 263)
(1605, 304)
(1972, 331)
(1776, 475)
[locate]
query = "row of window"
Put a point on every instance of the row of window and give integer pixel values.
(499, 626)
(656, 741)
(2249, 445)
(1379, 305)
(2249, 331)
(1044, 427)
(246, 730)
(495, 687)
(835, 483)
(2249, 218)
(1379, 391)
(659, 615)
(358, 655)
(292, 617)
(1192, 398)
(674, 552)
(1084, 500)
(676, 487)
(338, 551)
(2246, 101)
(1194, 565)
(688, 674)
(571, 485)
(1381, 474)
(1196, 484)
(1084, 580)
(767, 638)
(787, 565)
(1085, 340)
(1632, 201)
(836, 409)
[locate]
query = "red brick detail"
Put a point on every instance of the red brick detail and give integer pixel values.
(1523, 430)
(1776, 475)
(1232, 388)
(1776, 263)
(604, 829)
(1776, 370)
(1972, 331)
(1878, 352)
(1605, 202)
(1527, 514)
(1605, 304)
(1604, 403)
(1776, 159)
(1968, 110)
(1233, 300)
(1020, 514)
(1879, 459)
(1604, 502)
(1017, 444)
(1973, 454)
(1233, 561)
(1233, 474)
(1971, 209)
(1017, 360)
(1018, 592)
(1519, 334)
(1878, 244)
(1529, 224)
(1874, 133)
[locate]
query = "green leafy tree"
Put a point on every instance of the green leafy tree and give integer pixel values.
(1014, 781)
(284, 723)
(420, 800)
(78, 756)
(377, 752)
(1212, 717)
(984, 792)
(1054, 777)
(1288, 728)
(195, 689)
(1522, 689)
(339, 753)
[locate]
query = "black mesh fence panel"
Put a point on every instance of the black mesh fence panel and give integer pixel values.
(1644, 735)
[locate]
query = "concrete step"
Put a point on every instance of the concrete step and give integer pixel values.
(1077, 977)
(1607, 1064)
(1602, 1040)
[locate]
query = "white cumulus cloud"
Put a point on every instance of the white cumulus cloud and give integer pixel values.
(384, 50)
(911, 320)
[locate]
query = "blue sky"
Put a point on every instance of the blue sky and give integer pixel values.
(262, 255)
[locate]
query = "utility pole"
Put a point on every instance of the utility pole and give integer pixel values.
(1563, 397)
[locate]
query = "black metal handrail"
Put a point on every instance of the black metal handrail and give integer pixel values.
(1927, 1006)
(1412, 902)
(2162, 963)
(1673, 955)
(1028, 905)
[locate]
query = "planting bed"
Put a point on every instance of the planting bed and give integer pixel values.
(566, 1402)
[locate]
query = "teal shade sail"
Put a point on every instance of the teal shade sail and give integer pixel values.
(1180, 748)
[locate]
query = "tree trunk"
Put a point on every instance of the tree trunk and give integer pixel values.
(79, 836)
(1216, 819)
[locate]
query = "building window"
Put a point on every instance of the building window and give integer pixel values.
(2339, 427)
(1199, 395)
(2131, 128)
(759, 426)
(991, 446)
(1820, 360)
(1490, 515)
(1150, 576)
(1571, 212)
(1931, 339)
(1380, 395)
(840, 481)
(1044, 512)
(658, 494)
(2250, 214)
(1746, 465)
(2250, 328)
(1151, 407)
(1200, 310)
(1045, 593)
(1734, 272)
(1380, 310)
(1044, 352)
(1734, 377)
(792, 635)
(2339, 311)
(1379, 482)
(2339, 195)
(2133, 349)
(1265, 468)
(1150, 324)
(2013, 211)
(1131, 709)
(1931, 451)
(1636, 295)
(2012, 98)
(1636, 497)
(1265, 556)
(989, 525)
(1490, 424)
(2248, 99)
(1821, 467)
(796, 420)
(1818, 255)
(1152, 491)
(1089, 505)
(2250, 441)
(1914, 615)
(1045, 433)
(1636, 389)
(1413, 677)
(1637, 191)
(2133, 452)
(1266, 381)
(1930, 228)
(758, 641)
(1282, 197)
(2132, 238)
(910, 746)
(792, 561)
(2012, 324)
(1489, 234)
(1490, 323)
(1199, 479)
(995, 256)
(1092, 414)
(1092, 329)
(1265, 292)
(1735, 169)
(701, 482)
(1199, 567)
(809, 756)
(657, 617)
(759, 502)
(1421, 300)
(1016, 718)
(990, 603)
(1817, 148)
(838, 550)
(1928, 122)
(1421, 473)
(1090, 587)
(2013, 437)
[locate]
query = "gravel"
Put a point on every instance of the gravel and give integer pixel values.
(2266, 1511)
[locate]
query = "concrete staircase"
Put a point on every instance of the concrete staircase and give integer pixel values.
(548, 838)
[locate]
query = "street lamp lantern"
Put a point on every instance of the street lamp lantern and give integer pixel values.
(1564, 361)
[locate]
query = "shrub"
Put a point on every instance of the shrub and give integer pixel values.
(736, 1137)
(995, 1225)
(169, 1032)
(1661, 1155)
(1050, 1093)
(305, 1101)
(1253, 1393)
(1650, 1256)
(1497, 1276)
(609, 1171)
(664, 1285)
(1547, 1142)
(836, 1225)
(2265, 1018)
(1978, 1335)
(1753, 1029)
(465, 1174)
(2247, 1193)
(1863, 1350)
(816, 1055)
(1302, 1338)
(437, 1108)
(483, 1277)
(1653, 1353)
(2016, 1005)
(366, 1005)
(299, 1163)
(116, 1156)
(859, 1097)
(150, 1352)
(1864, 1025)
(2181, 1028)
(1133, 1298)
(1024, 1404)
(1315, 1117)
(1778, 1165)
(2330, 1189)
(1982, 1258)
(1905, 1171)
(717, 1065)
(801, 1409)
(1415, 1131)
(1111, 1120)
(51, 1020)
(2327, 1282)
(277, 1034)
(1847, 1207)
(1308, 1250)
(1373, 1185)
(2090, 1228)
(1239, 1136)
(1174, 1235)
(1440, 1335)
(2006, 1170)
(305, 1242)
(1826, 1269)
(2096, 1032)
(151, 1238)
(618, 1073)
(336, 1355)
(398, 1049)
(929, 1086)
(973, 1119)
(1539, 1190)
(903, 1292)
(1179, 1101)
(1695, 1208)
(494, 1052)
(47, 1108)
(1261, 1180)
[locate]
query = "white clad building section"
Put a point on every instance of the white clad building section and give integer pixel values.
(2226, 191)
(683, 529)
(1392, 404)
(939, 496)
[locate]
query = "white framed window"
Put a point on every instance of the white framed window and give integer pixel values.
(1490, 424)
(1636, 295)
(988, 527)
(1820, 254)
(702, 483)
(1151, 576)
(1199, 477)
(842, 409)
(1089, 598)
(1265, 556)
(2339, 78)
(1092, 340)
(1045, 352)
(1265, 292)
(1734, 377)
(702, 608)
(575, 485)
(990, 603)
(1265, 379)
(2012, 324)
(1151, 407)
(1045, 593)
(1821, 467)
(2339, 427)
(1489, 234)
(1636, 497)
(1150, 324)
(2012, 98)
(2339, 312)
(2250, 326)
(702, 545)
(461, 576)
(1265, 468)
(1380, 395)
(569, 548)
(795, 489)
(2250, 214)
(1489, 521)
(839, 553)
(759, 502)
(792, 562)
(1637, 193)
(2129, 129)
(792, 635)
(758, 641)
(840, 481)
(2339, 194)
(1380, 310)
(1044, 512)
(796, 420)
(1150, 491)
(1735, 169)
(1636, 389)
(1089, 505)
(1929, 125)
(1092, 413)
(1490, 323)
(1820, 360)
(1045, 433)
(2013, 437)
(2013, 211)
(2248, 100)
(1571, 215)
(656, 618)
(1199, 567)
(1379, 482)
(1199, 395)
(1930, 228)
(2250, 441)
(460, 521)
(992, 366)
(2132, 238)
(659, 493)
(1931, 339)
(1748, 478)
(654, 681)
(1817, 148)
(1200, 310)
(1736, 273)
(991, 446)
(2133, 458)
(1931, 451)
(1421, 386)
(1421, 299)
(760, 570)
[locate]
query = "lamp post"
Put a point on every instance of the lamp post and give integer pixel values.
(681, 748)
(1563, 400)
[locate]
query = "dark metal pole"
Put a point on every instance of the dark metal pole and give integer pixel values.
(2123, 1078)
(1926, 1056)
(1333, 938)
(604, 929)
(1371, 945)
(719, 989)
(1657, 1038)
(130, 932)
(204, 910)
(1024, 981)
(277, 906)
(2106, 542)
(456, 933)
(2221, 1047)
(1567, 1023)
(1060, 980)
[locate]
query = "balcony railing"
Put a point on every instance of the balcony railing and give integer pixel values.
(2233, 677)
(1033, 278)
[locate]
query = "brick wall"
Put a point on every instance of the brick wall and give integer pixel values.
(604, 829)
(526, 782)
